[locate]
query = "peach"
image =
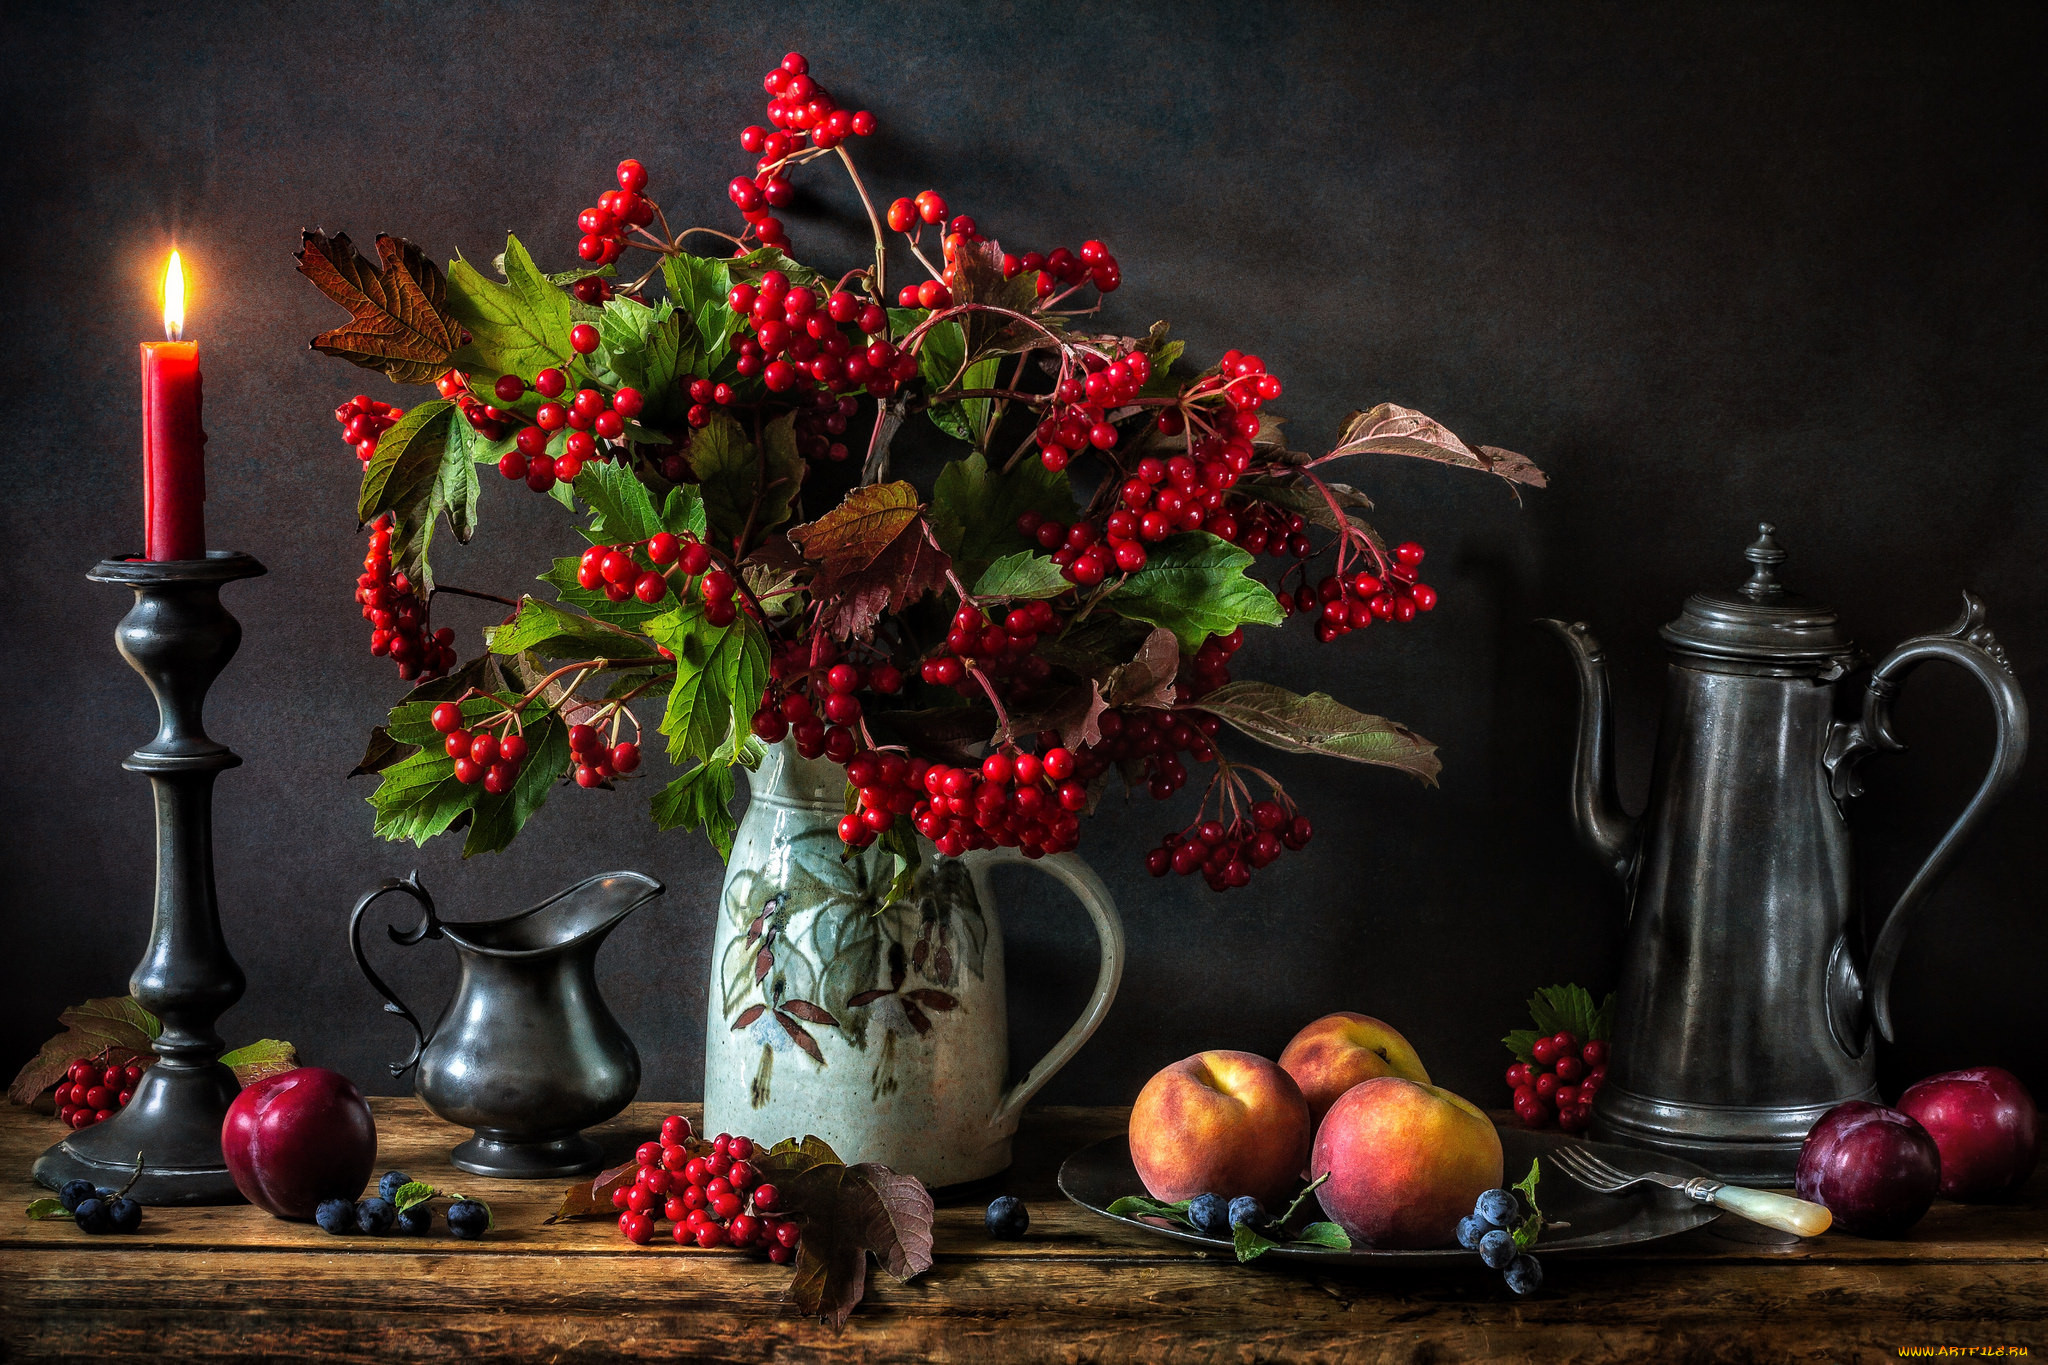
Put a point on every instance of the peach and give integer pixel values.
(1405, 1162)
(1227, 1123)
(1339, 1050)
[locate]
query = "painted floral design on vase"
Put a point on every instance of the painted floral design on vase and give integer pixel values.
(880, 1029)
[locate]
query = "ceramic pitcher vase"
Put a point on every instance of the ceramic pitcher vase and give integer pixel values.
(882, 1031)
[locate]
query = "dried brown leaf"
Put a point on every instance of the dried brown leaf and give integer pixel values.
(593, 1198)
(398, 319)
(1146, 680)
(1391, 429)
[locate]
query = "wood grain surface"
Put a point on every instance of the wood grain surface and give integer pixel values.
(235, 1284)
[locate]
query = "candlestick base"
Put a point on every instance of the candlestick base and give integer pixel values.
(179, 638)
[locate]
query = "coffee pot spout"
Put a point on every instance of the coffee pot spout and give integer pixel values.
(1603, 826)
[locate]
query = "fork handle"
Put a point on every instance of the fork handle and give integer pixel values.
(1780, 1211)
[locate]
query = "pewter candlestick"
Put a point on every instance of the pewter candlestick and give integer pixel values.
(179, 638)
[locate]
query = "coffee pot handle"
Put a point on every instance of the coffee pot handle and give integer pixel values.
(1970, 644)
(1109, 929)
(428, 927)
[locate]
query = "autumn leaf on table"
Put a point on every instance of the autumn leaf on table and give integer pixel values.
(398, 318)
(871, 555)
(1391, 429)
(847, 1213)
(115, 1023)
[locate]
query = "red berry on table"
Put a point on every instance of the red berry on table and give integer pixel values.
(1518, 1076)
(583, 338)
(638, 1227)
(1594, 1053)
(1546, 1085)
(1566, 1044)
(1570, 1068)
(648, 1153)
(766, 1198)
(1545, 1050)
(710, 1235)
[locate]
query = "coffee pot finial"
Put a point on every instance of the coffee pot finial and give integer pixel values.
(1767, 555)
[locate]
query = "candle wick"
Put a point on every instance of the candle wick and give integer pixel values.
(173, 332)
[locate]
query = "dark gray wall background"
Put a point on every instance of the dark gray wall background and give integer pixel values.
(1708, 265)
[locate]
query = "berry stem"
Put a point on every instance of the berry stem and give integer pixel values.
(874, 223)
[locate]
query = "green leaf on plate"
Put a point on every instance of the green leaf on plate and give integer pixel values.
(1144, 1206)
(1322, 1235)
(1530, 1228)
(1195, 585)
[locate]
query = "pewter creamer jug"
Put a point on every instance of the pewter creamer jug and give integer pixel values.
(526, 1052)
(1746, 1003)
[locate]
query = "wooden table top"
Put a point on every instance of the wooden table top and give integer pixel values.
(236, 1284)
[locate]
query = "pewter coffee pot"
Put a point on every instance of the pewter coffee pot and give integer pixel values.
(1747, 1003)
(526, 1052)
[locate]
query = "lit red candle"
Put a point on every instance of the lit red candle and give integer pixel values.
(173, 446)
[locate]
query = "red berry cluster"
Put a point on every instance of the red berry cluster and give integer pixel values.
(604, 226)
(788, 706)
(598, 761)
(805, 116)
(1348, 602)
(710, 1192)
(481, 756)
(1014, 799)
(1226, 855)
(1077, 418)
(363, 419)
(490, 422)
(94, 1090)
(1560, 1084)
(614, 571)
(589, 416)
(1093, 264)
(999, 649)
(397, 617)
(797, 342)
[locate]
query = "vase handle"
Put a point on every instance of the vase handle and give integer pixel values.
(428, 927)
(1109, 928)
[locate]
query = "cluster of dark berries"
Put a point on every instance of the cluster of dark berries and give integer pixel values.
(1559, 1085)
(363, 419)
(94, 1090)
(1078, 417)
(564, 436)
(788, 708)
(1490, 1231)
(98, 1210)
(1215, 1215)
(820, 426)
(1093, 264)
(1226, 855)
(481, 756)
(467, 1218)
(803, 116)
(489, 422)
(616, 571)
(710, 1192)
(397, 617)
(799, 340)
(997, 645)
(1007, 1217)
(604, 225)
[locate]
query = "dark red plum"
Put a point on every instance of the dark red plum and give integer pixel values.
(1984, 1122)
(295, 1139)
(1874, 1168)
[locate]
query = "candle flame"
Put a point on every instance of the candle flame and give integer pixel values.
(174, 299)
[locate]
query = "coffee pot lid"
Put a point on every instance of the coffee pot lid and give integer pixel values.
(1760, 620)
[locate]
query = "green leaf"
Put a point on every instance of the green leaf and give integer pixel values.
(520, 327)
(1530, 1228)
(720, 674)
(1570, 1009)
(700, 799)
(682, 513)
(730, 472)
(1250, 1243)
(1022, 575)
(762, 259)
(263, 1058)
(552, 633)
(418, 797)
(1321, 1234)
(1319, 724)
(639, 343)
(499, 818)
(698, 286)
(1522, 1042)
(1143, 1206)
(47, 1208)
(631, 614)
(624, 509)
(413, 1193)
(974, 509)
(403, 473)
(1195, 585)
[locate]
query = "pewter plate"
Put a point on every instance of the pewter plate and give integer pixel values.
(1099, 1174)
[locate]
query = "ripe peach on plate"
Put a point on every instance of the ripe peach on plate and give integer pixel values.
(1339, 1050)
(1227, 1123)
(1405, 1162)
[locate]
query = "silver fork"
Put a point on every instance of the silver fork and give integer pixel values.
(1780, 1211)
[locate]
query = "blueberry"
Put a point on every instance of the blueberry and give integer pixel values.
(1210, 1214)
(468, 1219)
(336, 1215)
(1470, 1230)
(126, 1215)
(388, 1186)
(1525, 1275)
(417, 1220)
(1499, 1207)
(1007, 1217)
(1497, 1248)
(74, 1193)
(375, 1216)
(94, 1216)
(1247, 1211)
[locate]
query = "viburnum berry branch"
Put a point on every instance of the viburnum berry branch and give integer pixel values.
(687, 429)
